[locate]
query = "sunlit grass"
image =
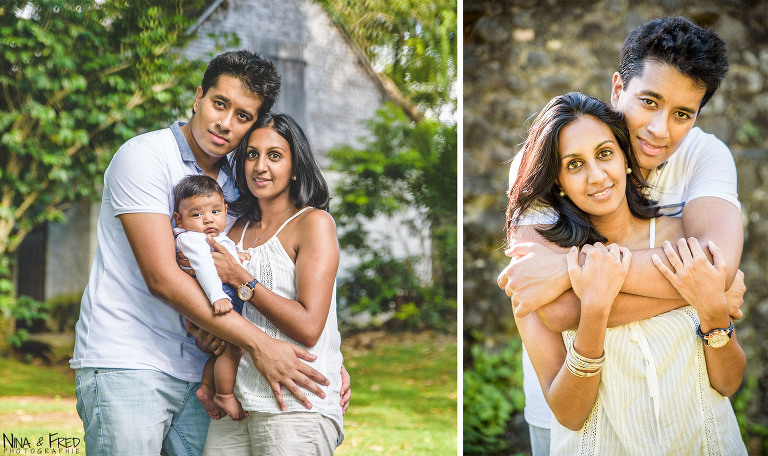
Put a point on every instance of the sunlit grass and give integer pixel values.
(403, 399)
(19, 379)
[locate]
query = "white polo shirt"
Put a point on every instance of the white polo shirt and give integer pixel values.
(702, 166)
(121, 324)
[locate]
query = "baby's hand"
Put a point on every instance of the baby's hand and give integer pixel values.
(244, 257)
(222, 306)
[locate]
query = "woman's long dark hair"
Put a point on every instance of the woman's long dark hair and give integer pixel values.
(535, 184)
(309, 188)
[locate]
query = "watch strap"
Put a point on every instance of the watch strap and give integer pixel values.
(250, 284)
(245, 291)
(706, 336)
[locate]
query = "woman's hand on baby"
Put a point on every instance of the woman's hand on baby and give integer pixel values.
(699, 282)
(230, 270)
(599, 280)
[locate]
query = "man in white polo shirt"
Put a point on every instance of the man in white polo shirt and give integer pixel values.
(138, 367)
(668, 70)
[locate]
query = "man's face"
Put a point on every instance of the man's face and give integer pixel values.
(222, 117)
(660, 107)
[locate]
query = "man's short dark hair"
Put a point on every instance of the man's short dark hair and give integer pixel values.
(257, 73)
(195, 185)
(694, 51)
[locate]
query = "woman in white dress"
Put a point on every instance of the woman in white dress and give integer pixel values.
(658, 386)
(290, 293)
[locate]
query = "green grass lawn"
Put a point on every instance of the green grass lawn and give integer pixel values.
(403, 398)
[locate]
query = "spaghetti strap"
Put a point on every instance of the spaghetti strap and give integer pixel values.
(292, 217)
(242, 235)
(653, 233)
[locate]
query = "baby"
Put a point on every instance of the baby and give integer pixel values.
(200, 210)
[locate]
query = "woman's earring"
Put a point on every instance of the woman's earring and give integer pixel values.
(629, 170)
(293, 177)
(562, 193)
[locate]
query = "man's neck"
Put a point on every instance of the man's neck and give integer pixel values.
(209, 164)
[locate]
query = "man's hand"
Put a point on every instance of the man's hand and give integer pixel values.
(183, 263)
(280, 364)
(345, 391)
(205, 341)
(735, 296)
(535, 276)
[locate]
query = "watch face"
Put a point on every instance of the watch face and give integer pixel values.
(718, 340)
(244, 292)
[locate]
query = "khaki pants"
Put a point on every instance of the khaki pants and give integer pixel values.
(285, 434)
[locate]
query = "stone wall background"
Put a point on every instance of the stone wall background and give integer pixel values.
(520, 53)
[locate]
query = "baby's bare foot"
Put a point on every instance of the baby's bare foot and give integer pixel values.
(230, 404)
(205, 394)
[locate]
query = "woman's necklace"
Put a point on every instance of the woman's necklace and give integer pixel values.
(630, 235)
(270, 228)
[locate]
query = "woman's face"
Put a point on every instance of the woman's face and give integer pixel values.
(268, 164)
(592, 170)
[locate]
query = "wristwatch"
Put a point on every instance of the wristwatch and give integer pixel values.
(245, 291)
(716, 338)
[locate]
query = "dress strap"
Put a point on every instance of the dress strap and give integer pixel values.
(292, 217)
(242, 235)
(653, 233)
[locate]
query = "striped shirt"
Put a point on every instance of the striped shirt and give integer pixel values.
(654, 395)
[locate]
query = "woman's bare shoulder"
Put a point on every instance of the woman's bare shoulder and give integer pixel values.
(669, 229)
(316, 219)
(237, 229)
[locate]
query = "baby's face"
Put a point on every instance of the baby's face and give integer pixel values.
(205, 214)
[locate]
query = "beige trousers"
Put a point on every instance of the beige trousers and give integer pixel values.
(285, 434)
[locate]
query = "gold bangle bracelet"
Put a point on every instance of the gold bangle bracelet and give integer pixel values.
(590, 368)
(582, 366)
(581, 374)
(584, 358)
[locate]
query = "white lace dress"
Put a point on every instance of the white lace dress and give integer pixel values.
(272, 266)
(654, 395)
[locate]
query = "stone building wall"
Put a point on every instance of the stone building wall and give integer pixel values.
(520, 53)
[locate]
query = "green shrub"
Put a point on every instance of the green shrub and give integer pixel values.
(25, 311)
(381, 283)
(404, 173)
(742, 401)
(64, 310)
(493, 390)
